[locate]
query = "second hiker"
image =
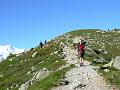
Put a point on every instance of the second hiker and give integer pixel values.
(41, 44)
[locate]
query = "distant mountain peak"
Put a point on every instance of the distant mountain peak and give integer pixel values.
(5, 50)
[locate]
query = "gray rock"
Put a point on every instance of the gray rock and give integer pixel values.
(62, 44)
(10, 65)
(40, 62)
(105, 52)
(7, 89)
(33, 68)
(1, 75)
(116, 63)
(10, 59)
(44, 69)
(34, 55)
(28, 73)
(40, 75)
(56, 61)
(21, 61)
(17, 85)
(24, 86)
(55, 52)
(101, 60)
(25, 60)
(106, 70)
(108, 64)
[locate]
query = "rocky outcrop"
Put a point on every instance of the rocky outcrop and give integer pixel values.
(37, 76)
(108, 65)
(116, 63)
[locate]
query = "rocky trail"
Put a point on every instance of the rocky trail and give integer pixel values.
(78, 78)
(81, 78)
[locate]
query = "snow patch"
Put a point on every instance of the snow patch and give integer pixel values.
(7, 49)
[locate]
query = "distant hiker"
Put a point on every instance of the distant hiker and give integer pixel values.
(81, 50)
(41, 44)
(45, 42)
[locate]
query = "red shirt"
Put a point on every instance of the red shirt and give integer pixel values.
(81, 47)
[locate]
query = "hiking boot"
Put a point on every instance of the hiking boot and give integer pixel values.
(81, 64)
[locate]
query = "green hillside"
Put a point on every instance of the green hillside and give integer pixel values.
(18, 69)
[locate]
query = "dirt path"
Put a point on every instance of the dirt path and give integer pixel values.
(82, 78)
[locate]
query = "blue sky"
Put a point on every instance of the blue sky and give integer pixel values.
(23, 23)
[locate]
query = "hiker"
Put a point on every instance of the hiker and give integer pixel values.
(41, 44)
(81, 50)
(45, 42)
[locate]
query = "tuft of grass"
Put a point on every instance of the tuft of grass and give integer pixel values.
(112, 77)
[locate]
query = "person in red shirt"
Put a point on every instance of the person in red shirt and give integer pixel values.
(81, 51)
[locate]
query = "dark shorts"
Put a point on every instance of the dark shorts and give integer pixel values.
(82, 54)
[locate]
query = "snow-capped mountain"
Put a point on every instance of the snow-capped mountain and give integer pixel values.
(7, 49)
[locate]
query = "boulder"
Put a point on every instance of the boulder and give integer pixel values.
(106, 70)
(108, 64)
(42, 74)
(100, 60)
(34, 55)
(116, 63)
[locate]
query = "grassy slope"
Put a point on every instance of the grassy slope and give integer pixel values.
(21, 65)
